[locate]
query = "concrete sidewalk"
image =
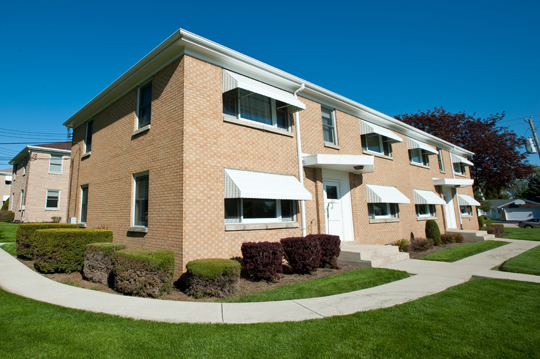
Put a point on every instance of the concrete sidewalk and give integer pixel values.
(430, 277)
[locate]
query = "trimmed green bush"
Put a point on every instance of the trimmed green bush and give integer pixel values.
(495, 229)
(62, 250)
(25, 241)
(7, 216)
(5, 206)
(99, 262)
(433, 232)
(452, 238)
(143, 272)
(403, 245)
(213, 277)
(480, 222)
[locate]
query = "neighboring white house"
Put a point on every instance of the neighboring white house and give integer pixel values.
(513, 209)
(5, 184)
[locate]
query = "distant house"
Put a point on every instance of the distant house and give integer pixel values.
(39, 187)
(513, 209)
(5, 184)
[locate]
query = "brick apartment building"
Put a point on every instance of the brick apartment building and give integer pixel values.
(5, 184)
(198, 148)
(40, 180)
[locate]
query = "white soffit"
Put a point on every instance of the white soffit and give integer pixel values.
(384, 194)
(262, 185)
(8, 178)
(459, 159)
(367, 128)
(466, 200)
(346, 163)
(452, 182)
(427, 197)
(233, 81)
(412, 144)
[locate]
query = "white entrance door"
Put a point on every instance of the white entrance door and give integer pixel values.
(333, 208)
(449, 212)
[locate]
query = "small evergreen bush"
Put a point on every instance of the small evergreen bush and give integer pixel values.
(213, 277)
(330, 249)
(403, 245)
(303, 254)
(433, 232)
(99, 262)
(143, 272)
(480, 222)
(5, 206)
(7, 216)
(263, 260)
(496, 229)
(25, 232)
(62, 250)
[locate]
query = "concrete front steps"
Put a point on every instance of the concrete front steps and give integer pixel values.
(472, 235)
(369, 255)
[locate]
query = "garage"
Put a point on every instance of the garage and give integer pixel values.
(520, 214)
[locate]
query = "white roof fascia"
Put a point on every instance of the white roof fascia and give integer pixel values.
(384, 194)
(6, 173)
(367, 128)
(459, 159)
(184, 42)
(27, 150)
(345, 163)
(427, 197)
(412, 144)
(466, 200)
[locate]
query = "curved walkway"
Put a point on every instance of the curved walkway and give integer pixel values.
(430, 277)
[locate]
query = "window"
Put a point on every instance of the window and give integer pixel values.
(466, 210)
(383, 210)
(141, 200)
(55, 165)
(12, 200)
(21, 205)
(89, 132)
(459, 168)
(418, 156)
(328, 125)
(425, 210)
(441, 163)
(53, 198)
(24, 164)
(376, 143)
(84, 203)
(7, 182)
(251, 106)
(247, 210)
(145, 105)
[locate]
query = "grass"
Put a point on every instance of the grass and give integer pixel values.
(477, 319)
(11, 248)
(8, 231)
(336, 284)
(526, 263)
(456, 253)
(530, 234)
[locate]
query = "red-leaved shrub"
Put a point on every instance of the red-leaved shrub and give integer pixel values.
(330, 249)
(303, 254)
(263, 260)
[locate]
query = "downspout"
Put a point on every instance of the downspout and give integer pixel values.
(457, 197)
(300, 164)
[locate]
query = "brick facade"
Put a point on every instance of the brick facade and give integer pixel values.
(5, 189)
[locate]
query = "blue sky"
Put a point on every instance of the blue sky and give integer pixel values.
(394, 56)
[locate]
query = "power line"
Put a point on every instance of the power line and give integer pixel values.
(38, 133)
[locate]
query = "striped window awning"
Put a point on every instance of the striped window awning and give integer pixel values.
(384, 194)
(427, 197)
(367, 128)
(413, 144)
(459, 159)
(466, 200)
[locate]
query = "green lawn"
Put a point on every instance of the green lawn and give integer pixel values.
(7, 232)
(465, 250)
(526, 263)
(11, 248)
(336, 284)
(531, 234)
(477, 319)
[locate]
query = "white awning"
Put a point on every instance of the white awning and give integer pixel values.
(8, 178)
(233, 80)
(427, 197)
(412, 144)
(384, 194)
(367, 128)
(459, 159)
(262, 185)
(348, 163)
(453, 182)
(465, 200)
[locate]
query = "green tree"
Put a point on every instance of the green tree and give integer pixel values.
(533, 188)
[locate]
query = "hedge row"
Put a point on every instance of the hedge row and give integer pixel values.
(263, 260)
(99, 262)
(6, 216)
(213, 277)
(25, 239)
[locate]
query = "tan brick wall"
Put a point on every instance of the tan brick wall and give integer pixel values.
(18, 184)
(5, 190)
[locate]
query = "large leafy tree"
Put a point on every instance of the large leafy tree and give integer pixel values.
(498, 159)
(533, 189)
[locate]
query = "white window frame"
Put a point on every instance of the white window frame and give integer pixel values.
(22, 200)
(61, 163)
(388, 209)
(137, 127)
(12, 200)
(429, 212)
(440, 159)
(47, 197)
(467, 213)
(277, 219)
(462, 170)
(381, 140)
(86, 137)
(134, 199)
(83, 187)
(423, 156)
(334, 127)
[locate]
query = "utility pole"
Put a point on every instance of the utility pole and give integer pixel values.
(533, 130)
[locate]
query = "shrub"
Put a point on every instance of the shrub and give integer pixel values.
(495, 229)
(56, 219)
(480, 222)
(98, 262)
(263, 260)
(403, 244)
(303, 254)
(143, 272)
(330, 249)
(213, 277)
(422, 244)
(7, 216)
(25, 240)
(433, 232)
(62, 250)
(5, 206)
(452, 238)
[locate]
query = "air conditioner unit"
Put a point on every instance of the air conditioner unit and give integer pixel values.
(72, 220)
(23, 207)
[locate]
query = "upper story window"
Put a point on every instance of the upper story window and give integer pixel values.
(419, 152)
(459, 168)
(88, 137)
(329, 125)
(377, 139)
(418, 156)
(440, 158)
(251, 106)
(459, 164)
(55, 164)
(144, 112)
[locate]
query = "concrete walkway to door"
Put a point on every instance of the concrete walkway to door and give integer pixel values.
(430, 277)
